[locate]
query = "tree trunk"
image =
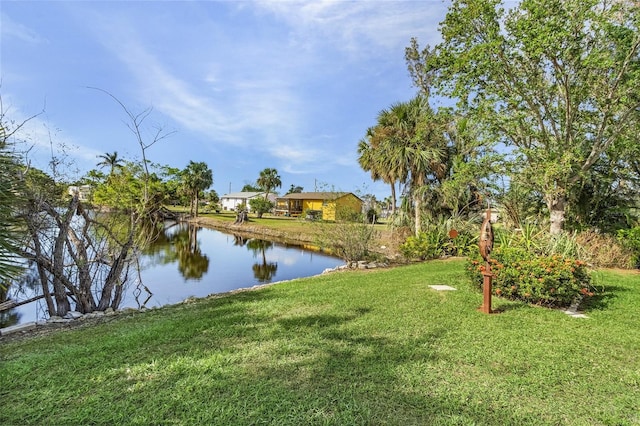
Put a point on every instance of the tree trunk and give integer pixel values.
(393, 199)
(113, 277)
(417, 205)
(42, 273)
(57, 256)
(556, 204)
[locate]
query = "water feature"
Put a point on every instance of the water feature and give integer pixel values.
(190, 261)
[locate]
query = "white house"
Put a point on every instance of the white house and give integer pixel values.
(234, 199)
(84, 192)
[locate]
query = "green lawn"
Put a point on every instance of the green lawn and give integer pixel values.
(355, 348)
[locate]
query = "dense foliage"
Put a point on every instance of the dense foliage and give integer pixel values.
(10, 199)
(554, 80)
(436, 241)
(543, 280)
(630, 238)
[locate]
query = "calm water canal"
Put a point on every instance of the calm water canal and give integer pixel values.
(191, 261)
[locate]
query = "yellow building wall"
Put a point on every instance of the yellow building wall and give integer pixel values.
(347, 202)
(329, 211)
(312, 205)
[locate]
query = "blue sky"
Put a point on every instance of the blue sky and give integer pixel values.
(242, 85)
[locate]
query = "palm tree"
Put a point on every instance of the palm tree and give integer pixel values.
(376, 156)
(110, 160)
(423, 150)
(406, 145)
(196, 178)
(10, 199)
(268, 180)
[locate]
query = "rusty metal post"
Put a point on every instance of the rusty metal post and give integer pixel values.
(486, 247)
(486, 290)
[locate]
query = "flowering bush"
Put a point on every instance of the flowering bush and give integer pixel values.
(543, 280)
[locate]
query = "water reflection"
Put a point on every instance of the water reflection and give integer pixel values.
(180, 243)
(264, 271)
(24, 288)
(186, 260)
(10, 317)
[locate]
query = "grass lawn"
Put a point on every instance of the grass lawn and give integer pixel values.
(355, 348)
(293, 227)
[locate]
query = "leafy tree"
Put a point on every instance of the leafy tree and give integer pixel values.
(212, 197)
(110, 160)
(171, 184)
(93, 177)
(269, 179)
(125, 190)
(294, 189)
(469, 165)
(196, 178)
(260, 206)
(556, 80)
(250, 188)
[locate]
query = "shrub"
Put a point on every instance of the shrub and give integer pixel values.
(426, 245)
(372, 215)
(437, 242)
(604, 251)
(598, 249)
(630, 239)
(544, 280)
(350, 241)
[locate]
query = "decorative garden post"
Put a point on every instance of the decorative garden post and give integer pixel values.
(486, 245)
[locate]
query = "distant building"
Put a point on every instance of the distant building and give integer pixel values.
(320, 205)
(83, 191)
(232, 200)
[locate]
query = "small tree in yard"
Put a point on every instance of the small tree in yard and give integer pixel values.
(260, 206)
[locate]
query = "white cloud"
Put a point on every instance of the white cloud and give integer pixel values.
(10, 28)
(363, 26)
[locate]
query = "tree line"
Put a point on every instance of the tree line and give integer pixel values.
(544, 117)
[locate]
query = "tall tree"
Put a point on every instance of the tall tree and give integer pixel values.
(250, 188)
(406, 145)
(110, 160)
(374, 151)
(269, 179)
(196, 178)
(557, 80)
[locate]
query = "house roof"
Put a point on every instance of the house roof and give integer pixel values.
(316, 196)
(242, 194)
